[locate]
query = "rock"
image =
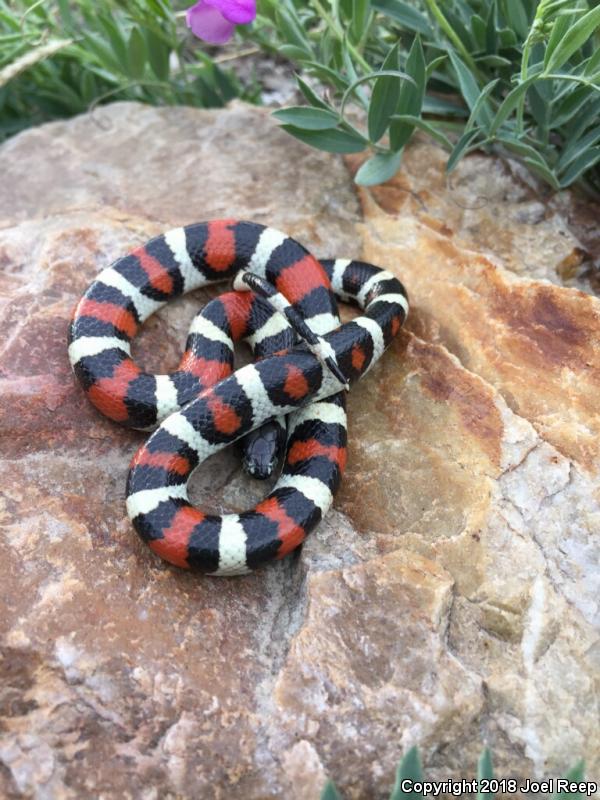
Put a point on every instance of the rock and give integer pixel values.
(450, 599)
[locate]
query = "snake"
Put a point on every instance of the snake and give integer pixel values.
(283, 304)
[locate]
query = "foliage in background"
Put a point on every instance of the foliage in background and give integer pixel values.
(515, 75)
(61, 57)
(410, 768)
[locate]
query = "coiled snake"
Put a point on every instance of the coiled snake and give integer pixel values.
(284, 306)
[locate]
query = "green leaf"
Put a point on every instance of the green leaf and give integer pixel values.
(593, 64)
(559, 28)
(391, 73)
(542, 169)
(517, 146)
(565, 109)
(411, 96)
(510, 102)
(116, 39)
(516, 15)
(136, 52)
(332, 141)
(405, 14)
(289, 24)
(309, 93)
(433, 65)
(469, 88)
(580, 165)
(461, 148)
(491, 35)
(293, 52)
(574, 39)
(435, 105)
(92, 44)
(361, 11)
(478, 29)
(583, 120)
(539, 105)
(426, 127)
(384, 98)
(310, 119)
(409, 769)
(330, 792)
(158, 55)
(493, 61)
(378, 169)
(575, 148)
(326, 74)
(485, 771)
(576, 774)
(475, 113)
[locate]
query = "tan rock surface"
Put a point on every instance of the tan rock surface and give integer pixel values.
(451, 597)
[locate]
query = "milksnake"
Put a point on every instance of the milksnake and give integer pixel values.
(280, 291)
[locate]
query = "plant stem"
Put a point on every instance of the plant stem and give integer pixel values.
(451, 33)
(524, 71)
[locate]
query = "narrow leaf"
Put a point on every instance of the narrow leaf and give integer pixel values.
(289, 24)
(309, 93)
(478, 29)
(516, 14)
(326, 74)
(136, 53)
(158, 55)
(460, 148)
(574, 39)
(469, 88)
(330, 792)
(593, 65)
(433, 65)
(496, 62)
(378, 169)
(517, 146)
(409, 769)
(580, 165)
(576, 148)
(559, 29)
(361, 11)
(384, 98)
(543, 170)
(426, 127)
(485, 771)
(310, 119)
(435, 105)
(368, 78)
(293, 52)
(411, 96)
(475, 113)
(332, 141)
(405, 14)
(576, 774)
(491, 35)
(510, 102)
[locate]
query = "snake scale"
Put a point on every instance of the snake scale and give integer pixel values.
(284, 306)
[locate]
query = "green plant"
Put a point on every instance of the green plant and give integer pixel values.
(410, 769)
(512, 75)
(59, 58)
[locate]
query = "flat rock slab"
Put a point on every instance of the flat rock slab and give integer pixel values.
(451, 597)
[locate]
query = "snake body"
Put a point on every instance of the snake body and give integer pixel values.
(204, 405)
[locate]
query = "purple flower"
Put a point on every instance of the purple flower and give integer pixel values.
(215, 20)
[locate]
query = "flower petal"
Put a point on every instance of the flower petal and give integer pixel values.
(208, 23)
(240, 12)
